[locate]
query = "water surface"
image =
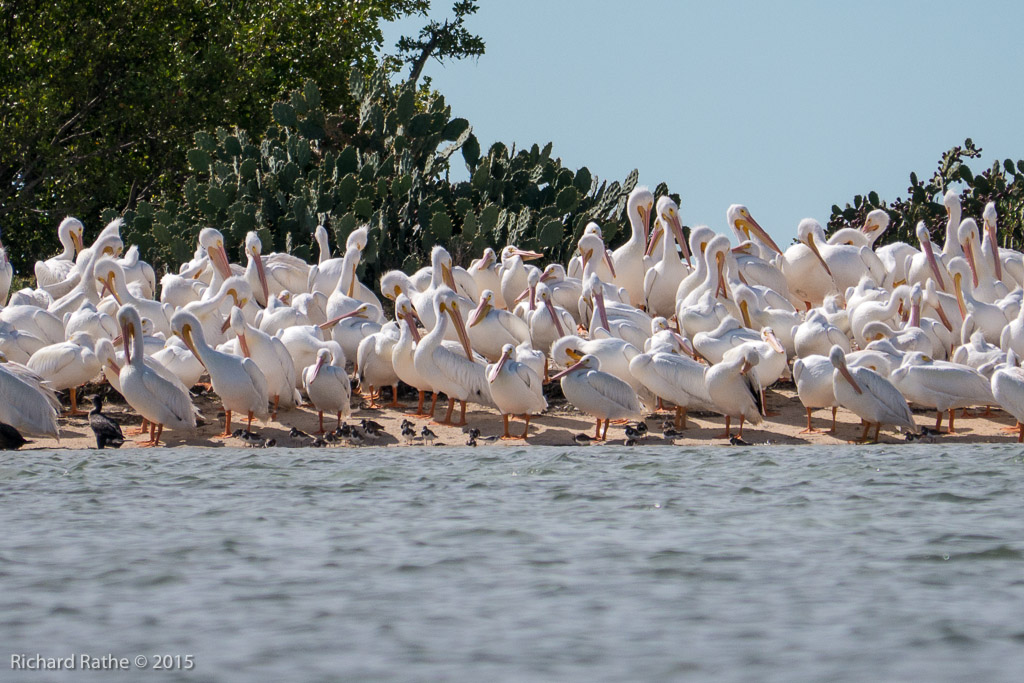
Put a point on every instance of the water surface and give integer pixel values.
(542, 563)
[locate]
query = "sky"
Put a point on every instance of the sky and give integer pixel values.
(787, 107)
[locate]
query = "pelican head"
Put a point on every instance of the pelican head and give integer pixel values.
(593, 228)
(639, 204)
(187, 326)
(130, 322)
(810, 232)
(212, 241)
(951, 200)
(838, 358)
(744, 225)
(968, 236)
(71, 230)
(448, 302)
(668, 212)
(323, 357)
(358, 238)
(587, 362)
(876, 222)
(109, 273)
(507, 351)
(483, 308)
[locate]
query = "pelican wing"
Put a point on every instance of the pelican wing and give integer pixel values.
(27, 406)
(894, 407)
(613, 389)
(171, 396)
(50, 360)
(259, 382)
(470, 377)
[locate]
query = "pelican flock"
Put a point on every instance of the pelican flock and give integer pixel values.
(690, 323)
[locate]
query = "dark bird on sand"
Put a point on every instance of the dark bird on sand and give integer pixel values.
(583, 439)
(737, 441)
(372, 428)
(10, 438)
(106, 430)
(427, 434)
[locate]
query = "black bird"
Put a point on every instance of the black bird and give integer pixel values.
(355, 438)
(10, 438)
(474, 433)
(671, 433)
(583, 439)
(641, 429)
(408, 433)
(737, 441)
(668, 424)
(471, 442)
(329, 437)
(427, 434)
(108, 432)
(318, 443)
(372, 428)
(406, 423)
(298, 434)
(630, 442)
(633, 433)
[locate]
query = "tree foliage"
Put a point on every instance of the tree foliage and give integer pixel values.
(100, 100)
(1002, 183)
(387, 165)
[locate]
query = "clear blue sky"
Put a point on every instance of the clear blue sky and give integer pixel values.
(787, 107)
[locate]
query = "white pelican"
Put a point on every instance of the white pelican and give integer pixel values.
(486, 275)
(270, 355)
(513, 274)
(374, 360)
(457, 376)
(35, 321)
(816, 336)
(613, 353)
(735, 392)
(574, 268)
(990, 318)
(808, 274)
(907, 339)
(29, 404)
(884, 311)
(328, 387)
(729, 333)
(238, 382)
(662, 281)
(987, 286)
(549, 322)
(402, 355)
(941, 385)
(58, 268)
(772, 360)
(85, 288)
(324, 276)
(273, 273)
(179, 360)
(713, 271)
(211, 242)
(303, 342)
(673, 378)
(952, 247)
(515, 389)
(208, 310)
(705, 316)
(756, 314)
(977, 352)
(67, 365)
(139, 275)
(491, 328)
(110, 273)
(925, 265)
(351, 328)
(565, 290)
(812, 375)
(599, 394)
(1008, 388)
(1006, 263)
(160, 401)
(868, 395)
(16, 344)
(6, 275)
(757, 254)
(88, 319)
(629, 258)
(875, 223)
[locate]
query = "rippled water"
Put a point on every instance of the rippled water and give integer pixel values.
(600, 563)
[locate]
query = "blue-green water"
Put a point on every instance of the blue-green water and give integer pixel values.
(500, 564)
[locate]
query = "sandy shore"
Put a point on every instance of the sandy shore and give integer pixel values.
(556, 427)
